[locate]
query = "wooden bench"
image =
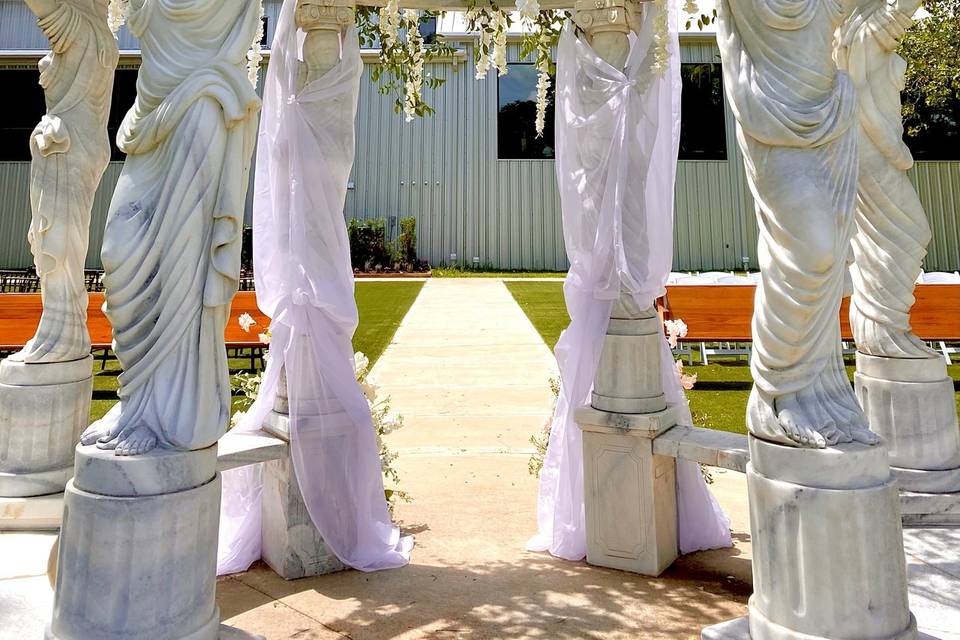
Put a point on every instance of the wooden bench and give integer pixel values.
(722, 313)
(20, 313)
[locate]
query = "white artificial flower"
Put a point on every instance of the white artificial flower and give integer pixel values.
(389, 23)
(264, 338)
(117, 12)
(370, 391)
(676, 329)
(661, 38)
(543, 86)
(691, 7)
(360, 364)
(254, 56)
(528, 9)
(246, 321)
(413, 87)
(500, 42)
(686, 381)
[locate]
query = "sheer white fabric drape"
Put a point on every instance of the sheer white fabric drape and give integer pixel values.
(617, 136)
(305, 284)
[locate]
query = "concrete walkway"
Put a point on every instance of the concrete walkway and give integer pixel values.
(470, 375)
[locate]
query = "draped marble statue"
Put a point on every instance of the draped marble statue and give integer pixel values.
(45, 388)
(70, 151)
(796, 125)
(171, 248)
(892, 229)
(902, 385)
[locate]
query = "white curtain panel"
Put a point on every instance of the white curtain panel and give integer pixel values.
(305, 284)
(617, 137)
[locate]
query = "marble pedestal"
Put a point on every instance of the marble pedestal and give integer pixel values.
(910, 404)
(43, 410)
(630, 493)
(828, 559)
(291, 544)
(138, 548)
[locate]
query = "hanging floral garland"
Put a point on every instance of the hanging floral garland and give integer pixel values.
(117, 12)
(254, 55)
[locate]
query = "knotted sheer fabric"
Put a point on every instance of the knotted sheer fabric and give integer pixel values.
(617, 137)
(305, 284)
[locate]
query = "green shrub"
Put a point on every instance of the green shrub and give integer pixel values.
(368, 244)
(407, 241)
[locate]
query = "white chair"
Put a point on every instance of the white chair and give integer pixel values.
(693, 280)
(737, 280)
(715, 275)
(941, 277)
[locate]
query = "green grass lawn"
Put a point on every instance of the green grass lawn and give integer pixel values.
(719, 399)
(382, 305)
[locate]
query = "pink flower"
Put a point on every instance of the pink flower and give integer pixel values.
(676, 329)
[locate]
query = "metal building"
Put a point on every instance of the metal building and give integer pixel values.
(472, 207)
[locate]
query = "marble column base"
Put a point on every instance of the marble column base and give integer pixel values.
(232, 633)
(925, 509)
(828, 560)
(138, 548)
(291, 544)
(739, 629)
(630, 494)
(910, 403)
(36, 513)
(43, 410)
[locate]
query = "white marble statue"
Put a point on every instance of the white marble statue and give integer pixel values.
(70, 150)
(171, 248)
(796, 115)
(892, 229)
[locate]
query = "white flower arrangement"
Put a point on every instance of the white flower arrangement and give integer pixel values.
(117, 12)
(543, 86)
(389, 24)
(413, 87)
(491, 50)
(254, 55)
(661, 38)
(528, 9)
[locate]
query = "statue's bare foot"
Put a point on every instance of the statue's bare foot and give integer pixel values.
(135, 441)
(102, 430)
(798, 419)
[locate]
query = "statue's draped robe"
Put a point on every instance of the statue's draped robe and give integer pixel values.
(892, 228)
(171, 247)
(796, 114)
(70, 150)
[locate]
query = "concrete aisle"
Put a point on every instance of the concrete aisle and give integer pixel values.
(470, 376)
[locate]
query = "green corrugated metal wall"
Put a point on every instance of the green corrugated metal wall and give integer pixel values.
(444, 171)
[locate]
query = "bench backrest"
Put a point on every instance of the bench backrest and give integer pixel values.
(717, 313)
(20, 313)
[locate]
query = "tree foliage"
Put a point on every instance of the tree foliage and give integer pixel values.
(931, 47)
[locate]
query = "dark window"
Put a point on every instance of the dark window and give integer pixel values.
(428, 29)
(516, 119)
(702, 131)
(20, 116)
(934, 133)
